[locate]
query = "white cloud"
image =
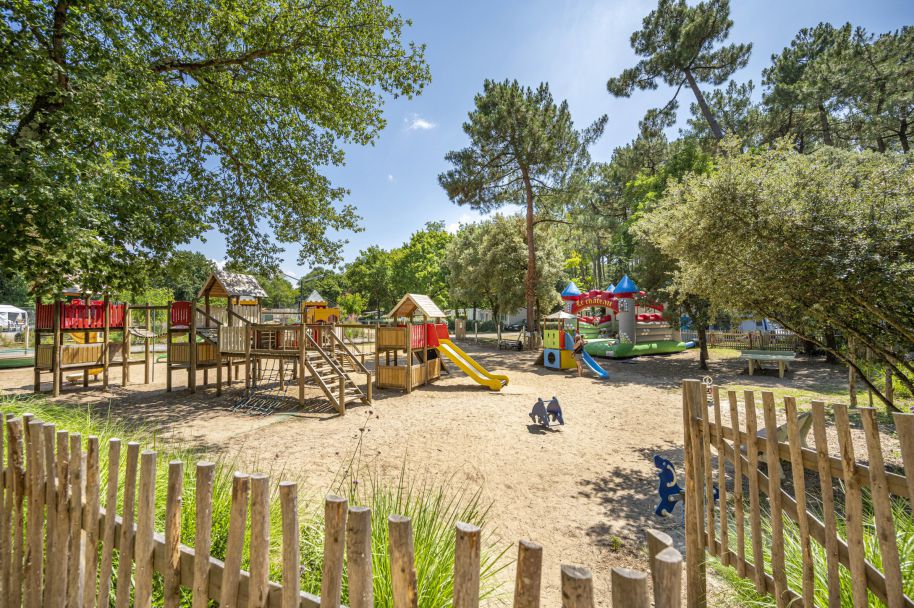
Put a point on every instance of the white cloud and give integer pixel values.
(414, 122)
(390, 178)
(467, 217)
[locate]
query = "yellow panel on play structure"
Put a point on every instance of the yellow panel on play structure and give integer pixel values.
(552, 338)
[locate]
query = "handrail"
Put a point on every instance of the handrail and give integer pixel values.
(210, 317)
(235, 314)
(349, 353)
(336, 366)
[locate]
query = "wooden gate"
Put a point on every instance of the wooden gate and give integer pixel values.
(772, 527)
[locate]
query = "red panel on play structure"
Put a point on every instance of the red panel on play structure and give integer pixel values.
(431, 335)
(443, 333)
(44, 316)
(79, 315)
(417, 336)
(180, 313)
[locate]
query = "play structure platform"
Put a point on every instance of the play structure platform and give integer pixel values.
(88, 337)
(410, 353)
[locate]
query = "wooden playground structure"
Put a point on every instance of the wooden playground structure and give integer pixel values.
(88, 336)
(415, 339)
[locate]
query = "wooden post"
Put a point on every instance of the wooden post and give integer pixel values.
(206, 324)
(798, 472)
(358, 556)
(696, 582)
(104, 583)
(301, 363)
(168, 346)
(230, 321)
(778, 564)
(409, 357)
(882, 504)
(823, 461)
(147, 353)
(218, 362)
(755, 523)
(173, 503)
(334, 545)
(466, 566)
(203, 535)
(248, 337)
(231, 574)
(259, 586)
(577, 588)
(145, 530)
(402, 562)
(125, 566)
(106, 337)
(192, 348)
(55, 355)
(74, 571)
(666, 572)
(629, 588)
(125, 347)
(291, 552)
(529, 575)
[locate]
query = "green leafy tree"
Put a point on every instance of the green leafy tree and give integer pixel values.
(487, 262)
(133, 127)
(680, 45)
(183, 275)
(14, 289)
(280, 292)
(326, 281)
(524, 150)
(370, 275)
(418, 266)
(814, 241)
(351, 304)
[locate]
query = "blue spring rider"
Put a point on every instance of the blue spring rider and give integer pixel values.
(669, 490)
(544, 412)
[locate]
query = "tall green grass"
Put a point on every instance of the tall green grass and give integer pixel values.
(744, 589)
(434, 510)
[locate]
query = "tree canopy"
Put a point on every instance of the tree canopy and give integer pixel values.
(680, 45)
(811, 241)
(524, 150)
(130, 128)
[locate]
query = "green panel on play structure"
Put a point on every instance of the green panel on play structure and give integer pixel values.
(614, 350)
(551, 338)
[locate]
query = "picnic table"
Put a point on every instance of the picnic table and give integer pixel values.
(757, 357)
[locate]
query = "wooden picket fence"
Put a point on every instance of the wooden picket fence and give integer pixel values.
(60, 538)
(720, 526)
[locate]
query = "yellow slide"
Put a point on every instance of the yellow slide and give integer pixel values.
(470, 367)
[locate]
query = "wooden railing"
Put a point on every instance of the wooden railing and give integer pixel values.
(748, 340)
(731, 526)
(61, 537)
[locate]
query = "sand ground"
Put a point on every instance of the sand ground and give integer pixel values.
(585, 491)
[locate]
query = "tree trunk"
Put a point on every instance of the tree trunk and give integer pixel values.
(705, 110)
(826, 130)
(831, 344)
(530, 279)
(903, 136)
(702, 329)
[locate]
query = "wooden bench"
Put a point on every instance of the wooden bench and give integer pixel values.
(757, 357)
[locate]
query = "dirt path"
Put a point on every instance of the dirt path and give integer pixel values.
(585, 492)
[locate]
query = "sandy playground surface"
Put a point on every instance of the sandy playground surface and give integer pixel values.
(586, 492)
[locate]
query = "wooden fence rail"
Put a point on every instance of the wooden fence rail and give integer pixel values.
(813, 511)
(61, 537)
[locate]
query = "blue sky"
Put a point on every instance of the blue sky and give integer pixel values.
(575, 46)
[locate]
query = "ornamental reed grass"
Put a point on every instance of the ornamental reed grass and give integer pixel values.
(744, 589)
(432, 506)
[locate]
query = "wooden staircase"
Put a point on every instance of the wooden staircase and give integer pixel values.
(330, 375)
